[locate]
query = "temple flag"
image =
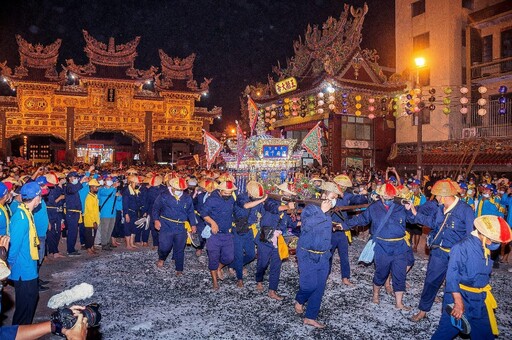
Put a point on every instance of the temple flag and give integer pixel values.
(212, 148)
(196, 158)
(253, 113)
(313, 143)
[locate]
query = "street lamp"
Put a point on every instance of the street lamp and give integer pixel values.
(420, 62)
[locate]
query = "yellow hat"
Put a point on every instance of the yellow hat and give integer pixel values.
(494, 228)
(178, 183)
(227, 186)
(133, 179)
(94, 183)
(285, 187)
(387, 190)
(156, 181)
(208, 185)
(52, 178)
(445, 187)
(403, 191)
(255, 189)
(343, 181)
(225, 177)
(332, 187)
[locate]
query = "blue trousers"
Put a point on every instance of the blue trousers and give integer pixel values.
(436, 273)
(81, 233)
(244, 252)
(480, 326)
(220, 249)
(72, 219)
(313, 273)
(154, 233)
(384, 264)
(340, 241)
(176, 241)
(53, 236)
(267, 254)
(129, 227)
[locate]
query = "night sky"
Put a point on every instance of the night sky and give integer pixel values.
(236, 41)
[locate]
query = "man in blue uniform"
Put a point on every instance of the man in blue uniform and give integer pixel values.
(204, 190)
(274, 219)
(107, 198)
(42, 223)
(54, 204)
(170, 212)
(339, 238)
(23, 255)
(248, 210)
(313, 253)
(131, 210)
(468, 293)
(486, 204)
(218, 213)
(155, 189)
(388, 221)
(450, 223)
(73, 211)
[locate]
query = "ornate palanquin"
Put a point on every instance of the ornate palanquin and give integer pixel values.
(106, 94)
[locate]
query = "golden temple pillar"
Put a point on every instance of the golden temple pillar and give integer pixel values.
(70, 135)
(3, 142)
(148, 152)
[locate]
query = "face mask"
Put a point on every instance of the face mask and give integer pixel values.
(486, 195)
(178, 193)
(501, 192)
(101, 182)
(333, 202)
(75, 181)
(109, 183)
(388, 203)
(470, 192)
(493, 246)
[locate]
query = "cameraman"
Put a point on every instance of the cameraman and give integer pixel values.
(35, 331)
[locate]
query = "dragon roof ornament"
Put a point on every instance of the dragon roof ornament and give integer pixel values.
(326, 49)
(111, 54)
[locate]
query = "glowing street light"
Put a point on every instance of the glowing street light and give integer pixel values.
(420, 62)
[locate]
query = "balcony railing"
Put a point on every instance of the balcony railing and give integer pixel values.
(491, 69)
(492, 124)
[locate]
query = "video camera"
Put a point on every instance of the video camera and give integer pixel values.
(63, 318)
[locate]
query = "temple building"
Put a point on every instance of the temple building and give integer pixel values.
(104, 111)
(333, 80)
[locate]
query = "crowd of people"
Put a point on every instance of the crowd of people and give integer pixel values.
(93, 209)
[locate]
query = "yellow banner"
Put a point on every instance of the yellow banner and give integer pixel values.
(286, 85)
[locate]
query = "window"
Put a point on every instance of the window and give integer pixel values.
(468, 4)
(421, 42)
(417, 8)
(506, 49)
(487, 48)
(356, 128)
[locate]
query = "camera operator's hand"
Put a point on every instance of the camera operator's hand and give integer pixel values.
(4, 242)
(79, 330)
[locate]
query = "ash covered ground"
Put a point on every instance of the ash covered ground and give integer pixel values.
(140, 301)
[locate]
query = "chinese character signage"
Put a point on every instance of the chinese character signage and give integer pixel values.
(275, 151)
(286, 85)
(111, 95)
(357, 144)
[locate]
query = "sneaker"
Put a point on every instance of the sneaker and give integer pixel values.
(75, 253)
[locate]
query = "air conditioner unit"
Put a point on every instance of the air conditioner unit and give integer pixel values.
(469, 132)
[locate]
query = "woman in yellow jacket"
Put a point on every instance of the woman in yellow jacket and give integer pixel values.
(91, 215)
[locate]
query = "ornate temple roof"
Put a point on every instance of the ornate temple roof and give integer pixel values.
(111, 54)
(331, 52)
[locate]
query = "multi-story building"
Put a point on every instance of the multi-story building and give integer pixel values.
(466, 50)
